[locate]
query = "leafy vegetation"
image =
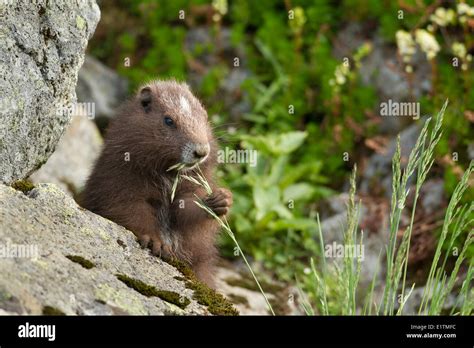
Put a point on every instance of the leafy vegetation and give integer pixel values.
(311, 112)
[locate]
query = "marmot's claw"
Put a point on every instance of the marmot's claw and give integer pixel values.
(144, 240)
(220, 201)
(156, 245)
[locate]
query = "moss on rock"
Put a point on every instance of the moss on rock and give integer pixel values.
(49, 310)
(249, 284)
(82, 261)
(24, 186)
(150, 291)
(215, 302)
(238, 299)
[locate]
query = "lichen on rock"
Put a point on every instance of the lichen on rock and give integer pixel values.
(49, 221)
(40, 56)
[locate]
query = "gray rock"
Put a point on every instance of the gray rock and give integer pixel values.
(333, 228)
(42, 48)
(209, 50)
(412, 304)
(383, 70)
(470, 151)
(432, 196)
(248, 299)
(71, 163)
(378, 172)
(374, 241)
(102, 86)
(49, 226)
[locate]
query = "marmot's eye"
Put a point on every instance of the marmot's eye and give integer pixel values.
(169, 121)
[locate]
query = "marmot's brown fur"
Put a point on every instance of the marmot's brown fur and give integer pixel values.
(164, 124)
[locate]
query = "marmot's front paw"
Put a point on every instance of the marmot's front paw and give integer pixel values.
(156, 245)
(220, 201)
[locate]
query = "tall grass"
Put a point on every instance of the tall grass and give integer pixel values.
(458, 218)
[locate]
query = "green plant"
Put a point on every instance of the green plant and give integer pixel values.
(458, 219)
(288, 49)
(270, 213)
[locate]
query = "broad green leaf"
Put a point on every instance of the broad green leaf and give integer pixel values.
(265, 199)
(299, 192)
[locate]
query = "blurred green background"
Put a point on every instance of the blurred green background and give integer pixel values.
(273, 77)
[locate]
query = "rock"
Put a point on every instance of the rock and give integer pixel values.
(71, 163)
(333, 205)
(71, 259)
(234, 281)
(432, 196)
(470, 151)
(333, 228)
(210, 51)
(378, 172)
(373, 221)
(42, 48)
(248, 302)
(413, 301)
(102, 86)
(383, 70)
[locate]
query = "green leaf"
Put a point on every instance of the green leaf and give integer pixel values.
(296, 224)
(299, 192)
(282, 211)
(289, 142)
(265, 199)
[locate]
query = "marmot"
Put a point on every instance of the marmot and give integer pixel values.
(161, 126)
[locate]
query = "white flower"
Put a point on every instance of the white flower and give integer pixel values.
(443, 16)
(459, 50)
(220, 6)
(340, 74)
(405, 44)
(427, 42)
(464, 8)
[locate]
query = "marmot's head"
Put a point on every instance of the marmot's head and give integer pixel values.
(173, 125)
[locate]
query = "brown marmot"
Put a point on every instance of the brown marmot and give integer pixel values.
(161, 126)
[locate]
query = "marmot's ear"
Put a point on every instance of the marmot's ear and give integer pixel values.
(145, 98)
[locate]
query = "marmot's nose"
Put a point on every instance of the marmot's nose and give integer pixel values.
(201, 151)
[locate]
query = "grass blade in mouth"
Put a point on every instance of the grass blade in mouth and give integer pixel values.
(177, 166)
(175, 186)
(190, 178)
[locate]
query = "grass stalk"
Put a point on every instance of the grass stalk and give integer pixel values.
(201, 181)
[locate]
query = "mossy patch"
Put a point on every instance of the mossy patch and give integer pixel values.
(49, 310)
(82, 261)
(215, 302)
(249, 284)
(150, 291)
(238, 299)
(279, 301)
(24, 186)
